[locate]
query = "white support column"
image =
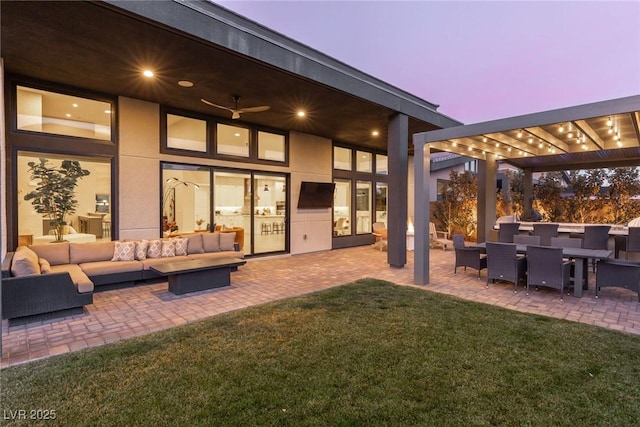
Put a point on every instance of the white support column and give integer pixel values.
(421, 162)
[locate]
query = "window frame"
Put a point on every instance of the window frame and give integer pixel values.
(164, 137)
(62, 90)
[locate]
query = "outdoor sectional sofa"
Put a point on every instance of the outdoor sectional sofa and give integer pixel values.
(39, 279)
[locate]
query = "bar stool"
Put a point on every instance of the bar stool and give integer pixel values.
(265, 228)
(276, 227)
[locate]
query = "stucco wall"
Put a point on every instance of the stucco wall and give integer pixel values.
(310, 160)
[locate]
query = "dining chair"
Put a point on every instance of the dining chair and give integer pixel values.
(546, 231)
(504, 263)
(467, 256)
(618, 273)
(547, 267)
(507, 230)
(571, 242)
(596, 237)
(523, 239)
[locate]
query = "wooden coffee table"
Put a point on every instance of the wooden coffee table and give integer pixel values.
(197, 274)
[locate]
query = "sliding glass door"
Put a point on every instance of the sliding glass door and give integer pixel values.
(269, 219)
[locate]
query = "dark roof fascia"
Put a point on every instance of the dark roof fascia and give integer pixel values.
(449, 163)
(580, 112)
(251, 39)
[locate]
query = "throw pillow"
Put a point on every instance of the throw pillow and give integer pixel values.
(45, 267)
(168, 248)
(124, 251)
(24, 262)
(226, 241)
(142, 246)
(194, 245)
(211, 242)
(181, 245)
(155, 248)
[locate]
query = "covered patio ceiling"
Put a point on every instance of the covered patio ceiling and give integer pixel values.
(602, 134)
(104, 46)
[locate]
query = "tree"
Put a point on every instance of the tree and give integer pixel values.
(54, 195)
(586, 200)
(624, 184)
(515, 192)
(548, 191)
(457, 209)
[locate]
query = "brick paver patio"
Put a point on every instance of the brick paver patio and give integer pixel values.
(125, 313)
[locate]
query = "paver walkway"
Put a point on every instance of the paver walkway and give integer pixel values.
(125, 313)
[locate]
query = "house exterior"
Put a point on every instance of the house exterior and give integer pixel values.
(189, 116)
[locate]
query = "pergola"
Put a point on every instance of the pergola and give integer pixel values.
(602, 134)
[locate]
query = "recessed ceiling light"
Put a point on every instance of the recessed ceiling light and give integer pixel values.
(68, 115)
(185, 83)
(148, 73)
(301, 113)
(107, 111)
(236, 134)
(375, 133)
(74, 105)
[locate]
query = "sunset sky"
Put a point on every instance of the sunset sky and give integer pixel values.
(478, 60)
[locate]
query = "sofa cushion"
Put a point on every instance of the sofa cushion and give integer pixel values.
(211, 242)
(90, 252)
(155, 248)
(78, 277)
(180, 246)
(226, 241)
(55, 253)
(24, 262)
(45, 267)
(194, 244)
(168, 249)
(124, 251)
(142, 246)
(100, 268)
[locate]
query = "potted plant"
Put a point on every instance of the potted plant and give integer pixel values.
(54, 195)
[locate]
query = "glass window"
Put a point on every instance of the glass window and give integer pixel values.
(271, 146)
(381, 202)
(363, 161)
(185, 199)
(342, 208)
(382, 168)
(342, 158)
(232, 140)
(185, 133)
(91, 218)
(363, 207)
(55, 113)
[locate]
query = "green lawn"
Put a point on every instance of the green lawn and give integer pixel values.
(364, 354)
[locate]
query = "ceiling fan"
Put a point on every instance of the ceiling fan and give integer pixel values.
(236, 111)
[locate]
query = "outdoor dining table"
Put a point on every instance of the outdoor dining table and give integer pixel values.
(580, 255)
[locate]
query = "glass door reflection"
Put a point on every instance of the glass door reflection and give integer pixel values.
(233, 202)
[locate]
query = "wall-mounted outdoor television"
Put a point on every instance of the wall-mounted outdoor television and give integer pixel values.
(316, 195)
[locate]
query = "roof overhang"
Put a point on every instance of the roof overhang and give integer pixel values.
(103, 46)
(602, 134)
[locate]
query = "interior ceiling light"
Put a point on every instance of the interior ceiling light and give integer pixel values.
(148, 73)
(107, 111)
(74, 105)
(185, 83)
(266, 187)
(68, 115)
